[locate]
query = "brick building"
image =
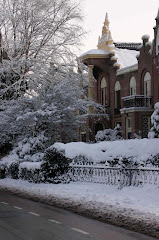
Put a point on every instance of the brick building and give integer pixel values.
(124, 77)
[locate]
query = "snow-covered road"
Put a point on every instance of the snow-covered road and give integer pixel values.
(132, 207)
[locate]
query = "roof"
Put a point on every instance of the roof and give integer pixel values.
(125, 45)
(94, 53)
(125, 57)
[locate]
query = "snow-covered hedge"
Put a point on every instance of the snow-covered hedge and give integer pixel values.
(30, 171)
(134, 152)
(53, 168)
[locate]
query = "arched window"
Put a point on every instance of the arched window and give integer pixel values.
(147, 84)
(98, 127)
(117, 95)
(103, 91)
(132, 86)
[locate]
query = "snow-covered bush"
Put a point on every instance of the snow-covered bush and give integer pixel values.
(29, 149)
(109, 134)
(5, 146)
(2, 171)
(154, 131)
(55, 166)
(30, 171)
(12, 171)
(153, 161)
(82, 160)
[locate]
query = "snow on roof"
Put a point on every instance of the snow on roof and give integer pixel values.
(126, 57)
(95, 52)
(129, 69)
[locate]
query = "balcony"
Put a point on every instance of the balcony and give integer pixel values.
(137, 101)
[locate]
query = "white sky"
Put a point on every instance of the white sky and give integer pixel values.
(129, 20)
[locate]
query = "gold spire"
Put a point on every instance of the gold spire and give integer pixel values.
(105, 41)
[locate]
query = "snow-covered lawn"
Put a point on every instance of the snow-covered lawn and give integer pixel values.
(144, 199)
(136, 208)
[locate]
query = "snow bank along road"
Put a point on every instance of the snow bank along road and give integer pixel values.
(25, 219)
(134, 208)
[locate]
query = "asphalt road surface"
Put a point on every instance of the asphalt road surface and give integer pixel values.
(23, 219)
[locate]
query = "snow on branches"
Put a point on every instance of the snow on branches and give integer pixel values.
(33, 33)
(154, 131)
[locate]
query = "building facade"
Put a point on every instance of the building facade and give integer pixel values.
(124, 78)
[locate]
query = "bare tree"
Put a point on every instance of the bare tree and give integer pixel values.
(36, 32)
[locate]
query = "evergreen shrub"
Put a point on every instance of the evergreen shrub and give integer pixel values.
(13, 170)
(55, 166)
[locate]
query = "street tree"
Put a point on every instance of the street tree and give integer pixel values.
(33, 33)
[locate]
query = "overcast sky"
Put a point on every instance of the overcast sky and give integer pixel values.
(129, 20)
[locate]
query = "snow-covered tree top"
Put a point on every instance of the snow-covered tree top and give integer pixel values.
(145, 36)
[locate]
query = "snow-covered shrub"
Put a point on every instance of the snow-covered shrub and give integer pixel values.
(30, 171)
(128, 162)
(12, 170)
(109, 134)
(154, 131)
(2, 171)
(55, 166)
(5, 146)
(82, 160)
(123, 162)
(29, 149)
(153, 161)
(137, 135)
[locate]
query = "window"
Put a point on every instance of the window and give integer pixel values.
(117, 95)
(147, 84)
(132, 86)
(103, 91)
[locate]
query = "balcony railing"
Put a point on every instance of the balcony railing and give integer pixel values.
(137, 101)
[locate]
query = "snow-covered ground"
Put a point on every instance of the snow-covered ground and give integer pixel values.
(127, 207)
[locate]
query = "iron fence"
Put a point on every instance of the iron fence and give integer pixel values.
(114, 176)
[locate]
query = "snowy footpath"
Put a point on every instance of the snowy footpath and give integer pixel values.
(136, 208)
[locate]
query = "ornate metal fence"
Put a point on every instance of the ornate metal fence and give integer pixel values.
(114, 176)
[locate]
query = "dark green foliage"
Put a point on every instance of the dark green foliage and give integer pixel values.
(82, 160)
(114, 162)
(30, 175)
(7, 80)
(2, 171)
(128, 162)
(13, 170)
(153, 161)
(54, 167)
(5, 147)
